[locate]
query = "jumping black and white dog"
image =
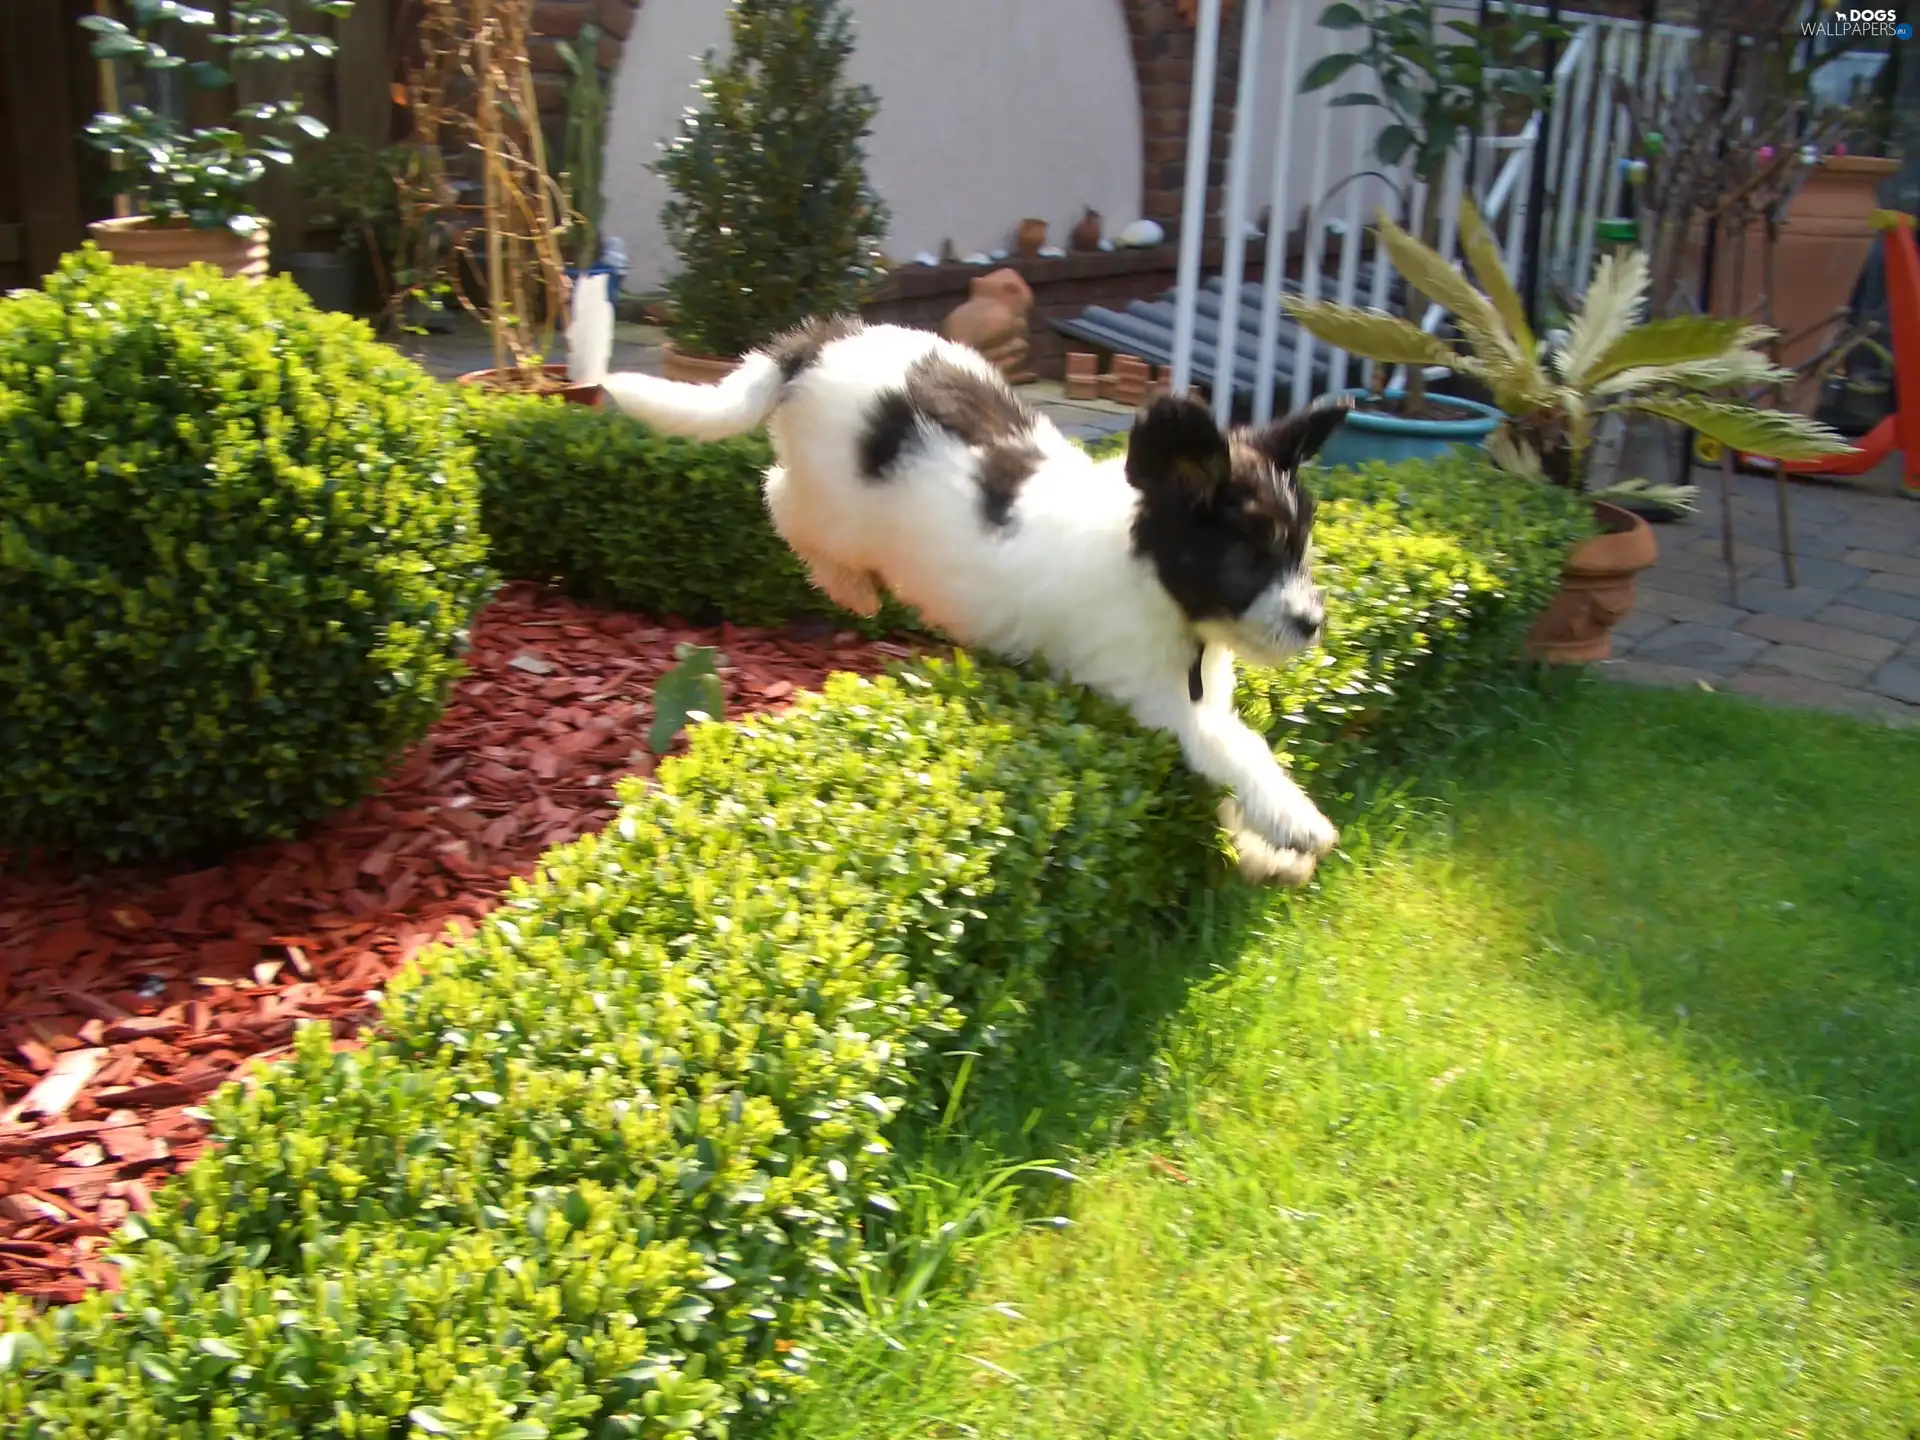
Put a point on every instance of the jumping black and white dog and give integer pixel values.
(905, 462)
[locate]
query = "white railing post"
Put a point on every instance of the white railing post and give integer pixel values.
(1273, 271)
(1310, 262)
(1234, 246)
(1193, 209)
(1352, 228)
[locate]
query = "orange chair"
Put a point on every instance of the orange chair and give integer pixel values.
(1900, 430)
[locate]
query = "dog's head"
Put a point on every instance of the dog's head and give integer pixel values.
(1225, 522)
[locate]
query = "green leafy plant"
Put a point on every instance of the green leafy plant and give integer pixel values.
(690, 691)
(1437, 78)
(200, 175)
(586, 142)
(357, 188)
(239, 549)
(606, 1168)
(616, 514)
(1610, 361)
(772, 216)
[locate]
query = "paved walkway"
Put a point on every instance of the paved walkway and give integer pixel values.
(1846, 638)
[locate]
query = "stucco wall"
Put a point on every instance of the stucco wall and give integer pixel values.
(990, 111)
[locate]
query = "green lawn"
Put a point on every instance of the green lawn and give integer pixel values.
(1584, 1101)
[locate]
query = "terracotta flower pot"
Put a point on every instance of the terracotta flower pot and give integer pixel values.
(1596, 589)
(677, 364)
(556, 383)
(1032, 235)
(138, 240)
(1824, 240)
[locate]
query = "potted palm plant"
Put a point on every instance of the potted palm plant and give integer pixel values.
(1437, 79)
(772, 217)
(188, 187)
(1551, 395)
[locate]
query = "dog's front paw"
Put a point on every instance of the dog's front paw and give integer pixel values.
(1259, 861)
(1289, 822)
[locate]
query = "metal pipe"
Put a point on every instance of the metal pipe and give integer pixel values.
(1537, 191)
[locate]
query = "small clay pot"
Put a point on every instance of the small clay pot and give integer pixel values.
(1086, 235)
(140, 240)
(677, 364)
(1596, 590)
(573, 394)
(1033, 234)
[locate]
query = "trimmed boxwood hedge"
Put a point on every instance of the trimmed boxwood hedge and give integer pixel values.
(615, 514)
(240, 546)
(604, 1164)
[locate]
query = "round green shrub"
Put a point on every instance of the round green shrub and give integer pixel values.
(240, 548)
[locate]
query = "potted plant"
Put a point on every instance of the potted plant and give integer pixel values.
(355, 190)
(1746, 149)
(188, 187)
(772, 217)
(1436, 78)
(472, 97)
(1550, 396)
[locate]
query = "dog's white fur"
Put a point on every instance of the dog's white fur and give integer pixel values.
(1060, 582)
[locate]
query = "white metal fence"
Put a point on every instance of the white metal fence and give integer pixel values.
(1346, 184)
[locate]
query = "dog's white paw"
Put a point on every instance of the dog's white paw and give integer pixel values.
(1292, 824)
(1261, 863)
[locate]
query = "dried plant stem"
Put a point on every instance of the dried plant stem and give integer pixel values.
(473, 99)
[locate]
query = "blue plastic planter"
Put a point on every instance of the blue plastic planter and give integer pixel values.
(1369, 435)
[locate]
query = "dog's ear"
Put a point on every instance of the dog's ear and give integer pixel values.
(1176, 446)
(1290, 442)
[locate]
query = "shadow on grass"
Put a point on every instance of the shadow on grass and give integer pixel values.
(1745, 881)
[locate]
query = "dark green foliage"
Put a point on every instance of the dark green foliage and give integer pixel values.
(621, 516)
(609, 1158)
(772, 216)
(603, 1170)
(239, 551)
(200, 176)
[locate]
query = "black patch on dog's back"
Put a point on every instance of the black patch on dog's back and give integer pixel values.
(891, 423)
(1004, 468)
(799, 349)
(976, 410)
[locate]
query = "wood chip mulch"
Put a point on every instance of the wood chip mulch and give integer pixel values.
(126, 999)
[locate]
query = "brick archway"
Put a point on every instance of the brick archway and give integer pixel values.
(1160, 32)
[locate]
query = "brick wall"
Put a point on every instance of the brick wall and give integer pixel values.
(1163, 44)
(562, 20)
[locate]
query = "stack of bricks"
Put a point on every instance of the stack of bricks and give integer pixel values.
(1131, 380)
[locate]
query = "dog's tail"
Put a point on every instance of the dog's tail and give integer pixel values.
(739, 403)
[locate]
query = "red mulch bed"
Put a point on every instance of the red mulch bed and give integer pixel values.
(125, 999)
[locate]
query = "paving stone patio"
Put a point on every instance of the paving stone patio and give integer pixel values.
(1844, 637)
